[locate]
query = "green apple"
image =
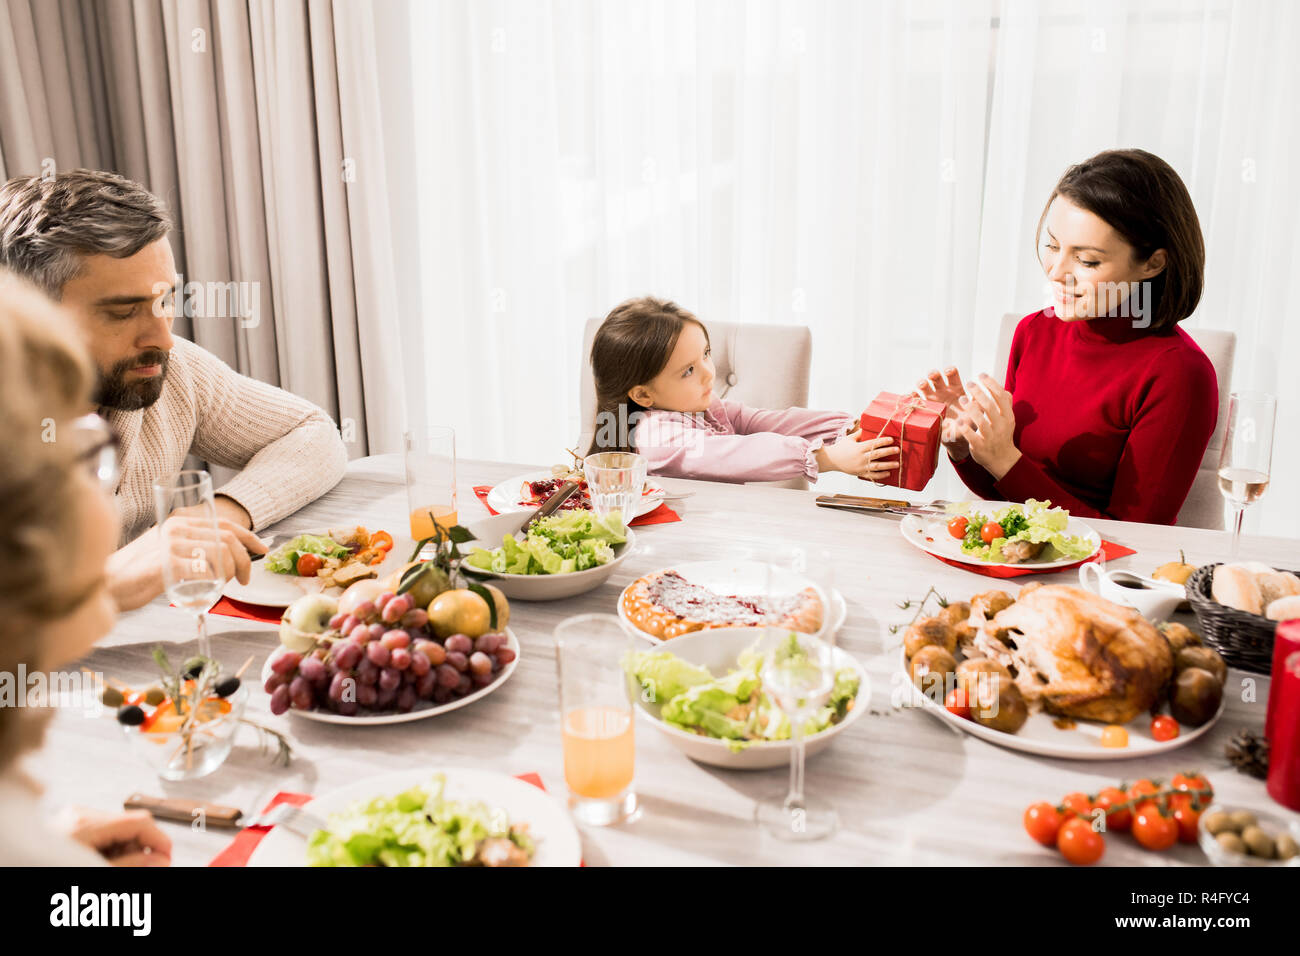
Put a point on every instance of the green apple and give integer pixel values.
(304, 619)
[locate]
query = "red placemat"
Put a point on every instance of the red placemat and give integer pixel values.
(242, 847)
(661, 515)
(1109, 552)
(249, 612)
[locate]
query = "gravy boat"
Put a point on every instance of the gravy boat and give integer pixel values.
(1154, 600)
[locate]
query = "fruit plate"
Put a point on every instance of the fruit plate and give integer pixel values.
(930, 534)
(734, 577)
(717, 650)
(504, 497)
(268, 589)
(422, 708)
(488, 533)
(558, 843)
(1040, 735)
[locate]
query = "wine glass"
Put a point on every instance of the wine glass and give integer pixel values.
(192, 548)
(798, 674)
(1247, 454)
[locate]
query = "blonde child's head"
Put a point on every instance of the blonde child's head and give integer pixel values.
(648, 353)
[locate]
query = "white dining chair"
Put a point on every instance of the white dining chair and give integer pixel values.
(766, 366)
(1204, 505)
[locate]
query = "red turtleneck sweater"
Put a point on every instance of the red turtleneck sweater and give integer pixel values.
(1111, 421)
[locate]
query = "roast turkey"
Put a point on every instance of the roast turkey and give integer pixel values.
(1078, 655)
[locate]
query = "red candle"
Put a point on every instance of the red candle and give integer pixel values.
(1284, 719)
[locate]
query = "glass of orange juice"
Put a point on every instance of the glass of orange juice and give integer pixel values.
(431, 480)
(596, 718)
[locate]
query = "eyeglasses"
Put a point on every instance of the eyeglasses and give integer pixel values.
(97, 446)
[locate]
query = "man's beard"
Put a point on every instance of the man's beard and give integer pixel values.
(114, 391)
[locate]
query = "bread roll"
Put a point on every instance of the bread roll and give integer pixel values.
(1276, 584)
(1236, 587)
(1284, 609)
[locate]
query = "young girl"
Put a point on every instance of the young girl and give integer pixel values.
(654, 395)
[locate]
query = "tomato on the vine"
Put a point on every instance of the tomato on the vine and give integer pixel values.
(1152, 828)
(1042, 822)
(1079, 843)
(990, 531)
(955, 703)
(1193, 781)
(957, 526)
(1119, 820)
(1186, 814)
(1077, 803)
(1141, 788)
(1164, 728)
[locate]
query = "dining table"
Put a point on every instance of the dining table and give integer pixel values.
(907, 787)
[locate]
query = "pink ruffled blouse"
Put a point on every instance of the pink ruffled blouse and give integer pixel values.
(736, 443)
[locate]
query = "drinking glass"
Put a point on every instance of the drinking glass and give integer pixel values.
(798, 673)
(431, 480)
(615, 480)
(596, 699)
(1247, 454)
(193, 552)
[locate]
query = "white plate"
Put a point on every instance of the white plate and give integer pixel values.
(717, 649)
(269, 589)
(1042, 737)
(504, 497)
(536, 587)
(930, 534)
(558, 843)
(735, 577)
(422, 709)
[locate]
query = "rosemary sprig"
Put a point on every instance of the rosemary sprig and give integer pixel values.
(908, 602)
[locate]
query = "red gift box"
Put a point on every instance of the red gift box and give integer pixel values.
(915, 424)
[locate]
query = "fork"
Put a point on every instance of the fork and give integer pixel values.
(294, 819)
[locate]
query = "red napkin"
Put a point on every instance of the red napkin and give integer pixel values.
(1109, 552)
(249, 612)
(246, 842)
(661, 515)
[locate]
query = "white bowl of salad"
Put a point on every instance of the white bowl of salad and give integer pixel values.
(560, 556)
(704, 692)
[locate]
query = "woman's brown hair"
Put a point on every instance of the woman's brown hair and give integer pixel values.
(631, 347)
(1140, 196)
(45, 382)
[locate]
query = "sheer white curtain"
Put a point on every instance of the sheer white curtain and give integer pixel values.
(873, 171)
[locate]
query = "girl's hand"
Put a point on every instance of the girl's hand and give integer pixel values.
(946, 387)
(130, 838)
(866, 459)
(987, 424)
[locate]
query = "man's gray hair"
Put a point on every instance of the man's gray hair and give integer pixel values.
(47, 225)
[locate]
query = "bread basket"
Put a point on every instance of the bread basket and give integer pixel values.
(1243, 640)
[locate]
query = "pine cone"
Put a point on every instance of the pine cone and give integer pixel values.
(1248, 752)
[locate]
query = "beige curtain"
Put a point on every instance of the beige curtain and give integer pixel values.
(258, 122)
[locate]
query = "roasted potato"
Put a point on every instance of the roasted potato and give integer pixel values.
(969, 680)
(955, 614)
(1206, 658)
(1180, 636)
(1007, 713)
(927, 631)
(931, 671)
(1196, 697)
(989, 603)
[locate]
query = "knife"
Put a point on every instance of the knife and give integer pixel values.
(828, 501)
(549, 506)
(185, 811)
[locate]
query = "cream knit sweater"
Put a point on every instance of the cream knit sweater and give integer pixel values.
(289, 451)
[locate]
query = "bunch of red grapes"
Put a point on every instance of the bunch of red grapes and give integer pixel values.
(383, 657)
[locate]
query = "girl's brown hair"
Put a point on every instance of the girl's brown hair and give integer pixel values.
(45, 382)
(1140, 196)
(631, 347)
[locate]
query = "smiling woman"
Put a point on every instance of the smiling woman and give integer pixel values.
(1108, 406)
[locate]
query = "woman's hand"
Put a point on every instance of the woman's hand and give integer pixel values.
(135, 571)
(866, 459)
(130, 838)
(946, 387)
(987, 424)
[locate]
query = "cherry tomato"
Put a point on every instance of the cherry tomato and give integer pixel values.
(1186, 814)
(1153, 829)
(957, 526)
(1164, 727)
(1114, 735)
(1077, 803)
(1120, 820)
(1193, 781)
(1079, 843)
(382, 541)
(1141, 788)
(955, 702)
(1042, 822)
(308, 565)
(990, 531)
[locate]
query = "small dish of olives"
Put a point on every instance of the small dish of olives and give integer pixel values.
(1234, 837)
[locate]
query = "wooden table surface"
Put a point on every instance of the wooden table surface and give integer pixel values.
(909, 790)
